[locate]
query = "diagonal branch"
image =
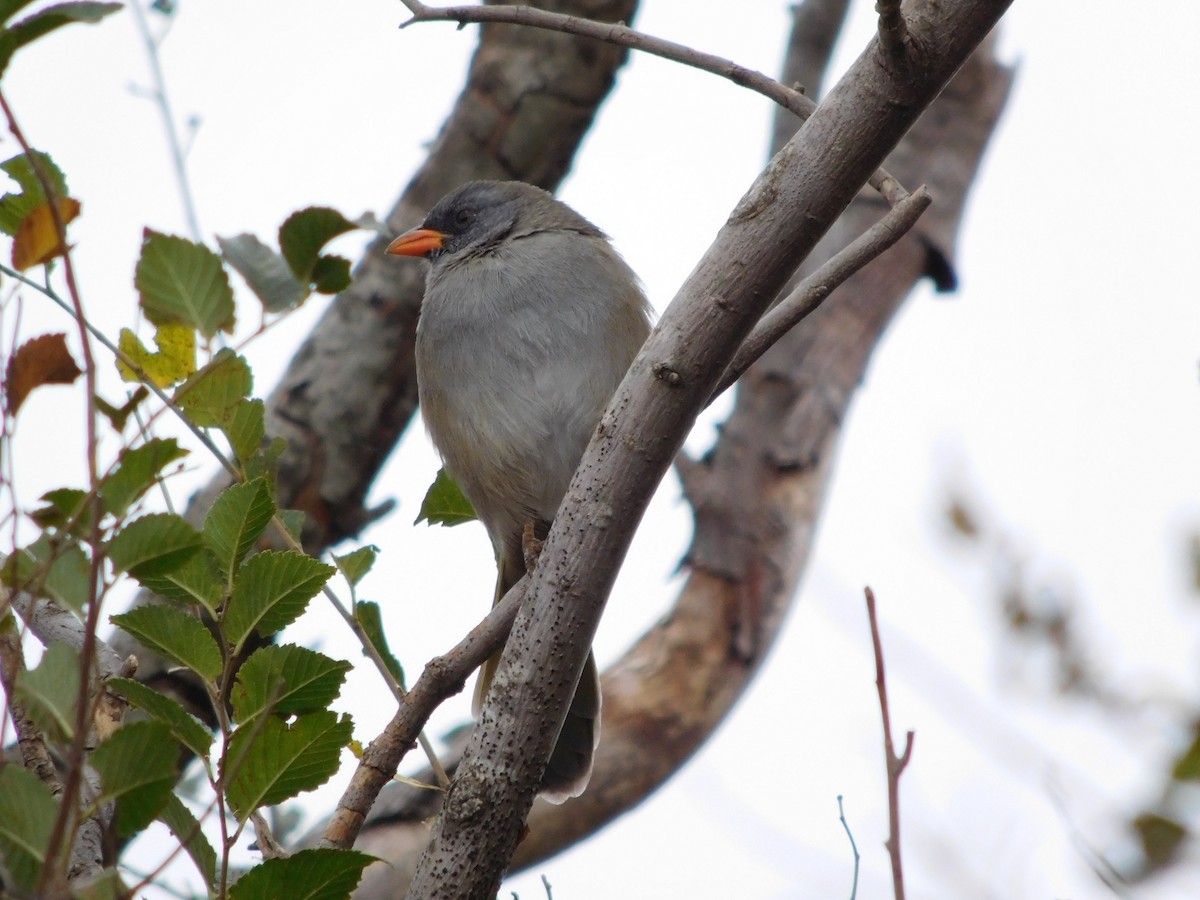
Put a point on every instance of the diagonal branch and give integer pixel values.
(778, 222)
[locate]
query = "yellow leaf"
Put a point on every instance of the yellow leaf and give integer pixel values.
(174, 361)
(36, 240)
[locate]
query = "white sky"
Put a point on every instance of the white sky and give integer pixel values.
(1059, 387)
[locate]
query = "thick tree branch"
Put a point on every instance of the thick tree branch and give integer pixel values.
(442, 677)
(757, 496)
(778, 221)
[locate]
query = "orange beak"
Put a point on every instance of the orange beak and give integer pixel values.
(417, 242)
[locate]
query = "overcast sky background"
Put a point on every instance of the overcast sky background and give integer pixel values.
(1058, 389)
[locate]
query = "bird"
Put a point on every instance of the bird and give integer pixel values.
(529, 322)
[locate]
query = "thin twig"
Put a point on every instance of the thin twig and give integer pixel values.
(813, 290)
(895, 764)
(159, 96)
(443, 677)
(853, 847)
(623, 36)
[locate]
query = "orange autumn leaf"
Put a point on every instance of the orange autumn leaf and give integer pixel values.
(36, 240)
(40, 360)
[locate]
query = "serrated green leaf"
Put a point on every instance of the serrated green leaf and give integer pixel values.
(186, 828)
(47, 568)
(266, 272)
(65, 510)
(27, 814)
(305, 232)
(137, 770)
(369, 617)
(174, 360)
(445, 503)
(331, 274)
(136, 472)
(265, 462)
(271, 590)
(181, 281)
(211, 396)
(44, 21)
(51, 692)
(356, 564)
(189, 730)
(197, 581)
(286, 680)
(318, 874)
(246, 428)
(153, 545)
(274, 761)
(14, 207)
(174, 633)
(239, 516)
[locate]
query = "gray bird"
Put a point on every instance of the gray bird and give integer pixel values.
(530, 321)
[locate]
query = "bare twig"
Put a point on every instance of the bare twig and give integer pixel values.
(813, 290)
(624, 36)
(895, 764)
(159, 95)
(893, 34)
(853, 847)
(443, 677)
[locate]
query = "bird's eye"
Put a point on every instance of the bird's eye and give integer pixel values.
(464, 217)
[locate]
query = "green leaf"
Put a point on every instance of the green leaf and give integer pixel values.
(305, 232)
(274, 761)
(356, 564)
(174, 361)
(46, 568)
(286, 680)
(182, 281)
(331, 274)
(119, 415)
(293, 521)
(186, 828)
(265, 271)
(368, 615)
(197, 581)
(27, 814)
(107, 885)
(137, 769)
(319, 874)
(174, 633)
(445, 503)
(239, 516)
(136, 472)
(51, 692)
(211, 396)
(153, 545)
(187, 729)
(65, 510)
(44, 21)
(15, 207)
(246, 428)
(9, 8)
(270, 591)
